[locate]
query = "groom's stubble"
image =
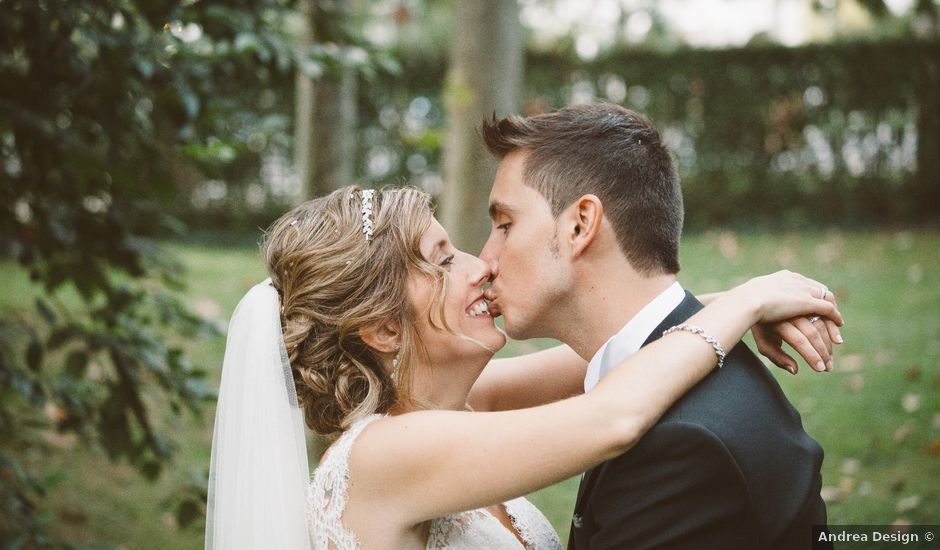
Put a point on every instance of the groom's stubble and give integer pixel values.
(616, 155)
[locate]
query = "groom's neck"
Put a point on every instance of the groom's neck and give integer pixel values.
(608, 300)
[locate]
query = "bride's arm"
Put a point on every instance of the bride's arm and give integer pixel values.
(427, 464)
(557, 373)
(529, 380)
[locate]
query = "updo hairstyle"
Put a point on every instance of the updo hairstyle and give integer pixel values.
(333, 283)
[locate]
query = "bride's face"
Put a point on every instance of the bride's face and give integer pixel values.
(463, 306)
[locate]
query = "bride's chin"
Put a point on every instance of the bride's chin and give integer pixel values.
(499, 340)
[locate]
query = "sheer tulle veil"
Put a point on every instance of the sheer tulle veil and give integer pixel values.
(259, 472)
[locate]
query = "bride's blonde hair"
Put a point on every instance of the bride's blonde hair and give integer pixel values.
(333, 283)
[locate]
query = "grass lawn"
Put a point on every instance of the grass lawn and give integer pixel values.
(877, 415)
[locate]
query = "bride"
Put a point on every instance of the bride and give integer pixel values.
(372, 328)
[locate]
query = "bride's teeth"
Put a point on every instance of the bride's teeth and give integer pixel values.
(478, 308)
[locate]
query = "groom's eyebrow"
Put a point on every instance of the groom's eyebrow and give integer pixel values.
(499, 208)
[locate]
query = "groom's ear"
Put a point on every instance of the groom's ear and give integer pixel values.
(381, 336)
(584, 219)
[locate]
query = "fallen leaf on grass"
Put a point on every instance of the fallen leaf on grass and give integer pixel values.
(915, 273)
(907, 504)
(850, 466)
(884, 357)
(856, 382)
(168, 520)
(832, 494)
(728, 245)
(901, 522)
(852, 362)
(903, 432)
(847, 485)
(830, 250)
(897, 485)
(910, 402)
(933, 448)
(912, 374)
(786, 257)
(904, 240)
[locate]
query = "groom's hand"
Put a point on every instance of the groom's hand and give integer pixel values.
(811, 339)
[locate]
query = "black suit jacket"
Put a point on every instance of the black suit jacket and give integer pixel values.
(729, 466)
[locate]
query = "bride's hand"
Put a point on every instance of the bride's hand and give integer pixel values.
(812, 340)
(786, 295)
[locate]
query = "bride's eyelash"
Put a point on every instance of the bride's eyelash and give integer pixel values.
(447, 261)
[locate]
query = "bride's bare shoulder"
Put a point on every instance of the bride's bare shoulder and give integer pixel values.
(388, 447)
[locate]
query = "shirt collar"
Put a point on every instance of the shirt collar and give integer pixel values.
(633, 334)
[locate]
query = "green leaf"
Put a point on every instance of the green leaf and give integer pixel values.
(151, 470)
(246, 43)
(187, 512)
(54, 478)
(46, 311)
(34, 355)
(76, 364)
(61, 336)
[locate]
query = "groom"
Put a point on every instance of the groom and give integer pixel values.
(586, 215)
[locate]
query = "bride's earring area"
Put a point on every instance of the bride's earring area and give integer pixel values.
(395, 360)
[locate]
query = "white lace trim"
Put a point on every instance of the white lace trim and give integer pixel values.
(326, 496)
(532, 525)
(481, 529)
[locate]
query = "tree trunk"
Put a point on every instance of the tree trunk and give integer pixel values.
(927, 178)
(334, 131)
(303, 109)
(325, 110)
(484, 78)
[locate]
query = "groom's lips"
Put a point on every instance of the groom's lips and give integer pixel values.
(494, 310)
(492, 303)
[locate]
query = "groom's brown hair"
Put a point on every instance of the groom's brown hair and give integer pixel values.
(609, 151)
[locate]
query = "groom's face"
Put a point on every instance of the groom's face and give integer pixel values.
(529, 270)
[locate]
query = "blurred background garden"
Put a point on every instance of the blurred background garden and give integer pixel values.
(144, 145)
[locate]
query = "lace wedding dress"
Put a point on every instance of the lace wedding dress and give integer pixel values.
(476, 529)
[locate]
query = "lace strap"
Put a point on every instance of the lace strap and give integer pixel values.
(330, 479)
(328, 492)
(343, 445)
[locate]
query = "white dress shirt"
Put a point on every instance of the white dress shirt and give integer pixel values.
(631, 337)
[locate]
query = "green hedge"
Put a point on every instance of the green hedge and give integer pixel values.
(841, 133)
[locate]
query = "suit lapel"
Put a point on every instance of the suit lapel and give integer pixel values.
(688, 307)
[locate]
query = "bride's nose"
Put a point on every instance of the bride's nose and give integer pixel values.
(479, 272)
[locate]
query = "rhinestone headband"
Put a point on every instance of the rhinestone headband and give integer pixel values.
(367, 223)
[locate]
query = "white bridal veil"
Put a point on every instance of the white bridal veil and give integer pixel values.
(259, 472)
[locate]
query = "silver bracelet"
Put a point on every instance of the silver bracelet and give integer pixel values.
(719, 351)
